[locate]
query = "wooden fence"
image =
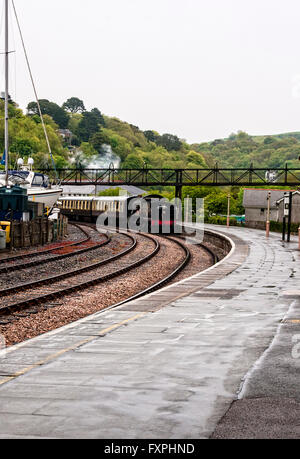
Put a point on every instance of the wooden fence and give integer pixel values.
(39, 231)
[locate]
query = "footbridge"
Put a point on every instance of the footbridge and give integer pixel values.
(146, 177)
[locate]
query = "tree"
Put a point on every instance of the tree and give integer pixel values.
(74, 105)
(196, 158)
(98, 139)
(98, 116)
(89, 124)
(133, 161)
(151, 136)
(57, 113)
(169, 142)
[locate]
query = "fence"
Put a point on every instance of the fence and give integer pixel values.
(39, 231)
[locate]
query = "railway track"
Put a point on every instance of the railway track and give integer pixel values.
(64, 250)
(161, 283)
(29, 298)
(214, 256)
(18, 300)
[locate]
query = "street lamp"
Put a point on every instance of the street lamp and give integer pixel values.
(228, 210)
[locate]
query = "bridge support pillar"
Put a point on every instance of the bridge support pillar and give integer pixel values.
(178, 191)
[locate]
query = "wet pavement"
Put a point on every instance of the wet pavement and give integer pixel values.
(216, 355)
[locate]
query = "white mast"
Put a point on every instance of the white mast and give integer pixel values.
(6, 94)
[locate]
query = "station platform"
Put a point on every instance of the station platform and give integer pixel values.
(213, 356)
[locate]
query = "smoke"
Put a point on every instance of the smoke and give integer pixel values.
(102, 160)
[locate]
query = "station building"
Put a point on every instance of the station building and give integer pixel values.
(295, 208)
(255, 202)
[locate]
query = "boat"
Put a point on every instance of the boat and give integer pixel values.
(37, 185)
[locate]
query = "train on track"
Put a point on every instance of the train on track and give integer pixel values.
(151, 213)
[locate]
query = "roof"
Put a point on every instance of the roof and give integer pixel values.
(81, 189)
(258, 198)
(90, 189)
(93, 198)
(293, 193)
(132, 190)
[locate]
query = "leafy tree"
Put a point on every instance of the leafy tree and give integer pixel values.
(110, 192)
(119, 144)
(74, 120)
(98, 116)
(169, 142)
(57, 113)
(151, 136)
(74, 105)
(216, 202)
(89, 124)
(24, 147)
(133, 161)
(129, 132)
(98, 139)
(196, 158)
(88, 150)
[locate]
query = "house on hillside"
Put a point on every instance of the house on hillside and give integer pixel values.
(66, 134)
(255, 202)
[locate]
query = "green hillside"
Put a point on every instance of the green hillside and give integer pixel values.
(240, 150)
(90, 131)
(85, 138)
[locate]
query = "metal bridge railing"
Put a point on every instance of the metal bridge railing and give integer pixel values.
(179, 177)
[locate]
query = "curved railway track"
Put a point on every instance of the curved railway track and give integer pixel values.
(29, 298)
(57, 289)
(161, 283)
(68, 249)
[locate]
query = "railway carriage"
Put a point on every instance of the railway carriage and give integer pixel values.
(153, 213)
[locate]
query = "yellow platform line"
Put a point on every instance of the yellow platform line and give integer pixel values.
(70, 348)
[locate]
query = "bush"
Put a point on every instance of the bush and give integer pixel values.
(278, 227)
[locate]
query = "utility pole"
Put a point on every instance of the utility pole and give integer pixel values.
(268, 215)
(290, 216)
(6, 94)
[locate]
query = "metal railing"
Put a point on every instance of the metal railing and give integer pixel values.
(216, 176)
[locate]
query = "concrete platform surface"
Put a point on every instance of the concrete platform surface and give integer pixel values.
(216, 355)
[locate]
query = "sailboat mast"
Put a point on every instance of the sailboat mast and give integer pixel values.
(6, 93)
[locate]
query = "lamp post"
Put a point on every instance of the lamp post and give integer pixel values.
(268, 215)
(228, 210)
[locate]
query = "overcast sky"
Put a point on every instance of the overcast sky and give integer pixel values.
(200, 69)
